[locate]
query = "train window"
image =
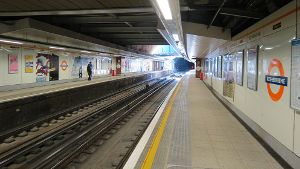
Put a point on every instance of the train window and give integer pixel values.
(239, 67)
(252, 54)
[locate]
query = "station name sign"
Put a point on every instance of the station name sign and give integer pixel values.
(277, 80)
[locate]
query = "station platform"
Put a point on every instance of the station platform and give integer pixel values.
(195, 130)
(14, 92)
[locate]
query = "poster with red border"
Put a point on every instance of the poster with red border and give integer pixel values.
(13, 63)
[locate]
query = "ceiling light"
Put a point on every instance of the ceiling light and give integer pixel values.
(7, 41)
(165, 9)
(52, 47)
(84, 51)
(268, 48)
(176, 37)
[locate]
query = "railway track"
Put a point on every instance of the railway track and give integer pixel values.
(77, 130)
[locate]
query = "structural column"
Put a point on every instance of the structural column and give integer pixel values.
(198, 67)
(118, 65)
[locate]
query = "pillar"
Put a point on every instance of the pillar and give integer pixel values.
(118, 65)
(198, 67)
(114, 64)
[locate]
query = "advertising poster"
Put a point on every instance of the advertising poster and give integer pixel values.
(12, 63)
(295, 76)
(206, 67)
(77, 67)
(216, 66)
(42, 67)
(28, 64)
(239, 67)
(219, 66)
(228, 76)
(211, 66)
(252, 68)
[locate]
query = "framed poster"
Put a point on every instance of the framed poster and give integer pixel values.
(295, 76)
(228, 76)
(211, 66)
(216, 66)
(13, 65)
(28, 64)
(239, 67)
(219, 66)
(206, 67)
(252, 68)
(42, 67)
(224, 66)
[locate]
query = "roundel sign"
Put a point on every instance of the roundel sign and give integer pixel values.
(64, 65)
(281, 80)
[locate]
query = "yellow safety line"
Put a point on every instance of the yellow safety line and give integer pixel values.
(155, 143)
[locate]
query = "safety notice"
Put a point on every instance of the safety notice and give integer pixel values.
(295, 75)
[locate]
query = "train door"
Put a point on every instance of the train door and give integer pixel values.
(54, 68)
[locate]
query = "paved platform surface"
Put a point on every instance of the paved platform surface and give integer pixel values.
(38, 90)
(201, 133)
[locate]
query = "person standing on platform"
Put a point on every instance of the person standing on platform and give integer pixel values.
(80, 72)
(89, 70)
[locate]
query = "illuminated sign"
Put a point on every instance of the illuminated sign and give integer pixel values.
(64, 65)
(277, 80)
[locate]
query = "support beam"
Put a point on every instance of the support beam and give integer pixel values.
(118, 29)
(98, 19)
(78, 12)
(201, 30)
(146, 43)
(131, 36)
(142, 40)
(216, 14)
(241, 13)
(244, 13)
(84, 11)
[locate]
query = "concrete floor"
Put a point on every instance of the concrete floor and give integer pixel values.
(201, 133)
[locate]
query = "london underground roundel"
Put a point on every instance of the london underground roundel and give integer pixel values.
(281, 80)
(64, 65)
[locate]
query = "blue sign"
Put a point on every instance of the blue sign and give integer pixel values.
(277, 80)
(295, 42)
(164, 50)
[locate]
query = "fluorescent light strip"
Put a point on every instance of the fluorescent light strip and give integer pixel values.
(84, 51)
(52, 47)
(165, 9)
(7, 41)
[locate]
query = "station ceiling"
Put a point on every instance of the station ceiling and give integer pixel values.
(133, 23)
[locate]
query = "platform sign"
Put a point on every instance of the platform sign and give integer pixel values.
(295, 75)
(281, 80)
(64, 65)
